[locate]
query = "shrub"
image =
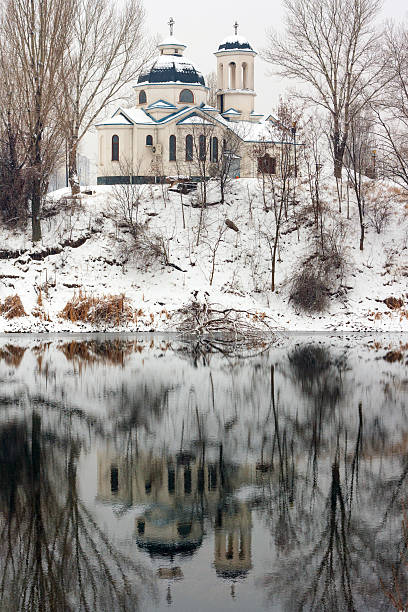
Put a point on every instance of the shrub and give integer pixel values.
(12, 307)
(308, 290)
(109, 309)
(378, 198)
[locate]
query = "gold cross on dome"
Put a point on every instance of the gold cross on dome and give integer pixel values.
(171, 24)
(236, 27)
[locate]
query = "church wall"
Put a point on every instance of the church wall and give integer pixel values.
(107, 167)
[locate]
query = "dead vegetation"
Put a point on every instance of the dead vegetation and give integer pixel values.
(227, 329)
(108, 309)
(12, 307)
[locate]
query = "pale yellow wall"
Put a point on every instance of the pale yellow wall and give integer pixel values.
(171, 93)
(133, 149)
(107, 167)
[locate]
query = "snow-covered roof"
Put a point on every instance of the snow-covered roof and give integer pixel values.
(194, 119)
(235, 42)
(162, 104)
(248, 131)
(118, 119)
(209, 109)
(171, 41)
(231, 111)
(172, 68)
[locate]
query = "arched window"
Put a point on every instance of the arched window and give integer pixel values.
(202, 147)
(186, 96)
(115, 148)
(189, 148)
(142, 97)
(214, 149)
(244, 75)
(221, 76)
(267, 164)
(172, 148)
(149, 140)
(232, 73)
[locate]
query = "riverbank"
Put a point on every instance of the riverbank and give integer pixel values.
(88, 252)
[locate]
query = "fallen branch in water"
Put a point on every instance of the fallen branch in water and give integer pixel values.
(225, 326)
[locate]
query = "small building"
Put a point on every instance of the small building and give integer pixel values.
(171, 131)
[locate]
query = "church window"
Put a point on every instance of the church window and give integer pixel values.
(267, 164)
(232, 71)
(214, 149)
(202, 147)
(114, 479)
(149, 140)
(186, 96)
(172, 148)
(189, 148)
(244, 75)
(115, 148)
(142, 97)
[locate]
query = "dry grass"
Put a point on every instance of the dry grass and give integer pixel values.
(12, 307)
(108, 309)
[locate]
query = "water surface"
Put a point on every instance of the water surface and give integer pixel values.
(149, 472)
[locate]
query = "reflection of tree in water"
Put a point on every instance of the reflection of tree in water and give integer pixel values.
(54, 557)
(317, 532)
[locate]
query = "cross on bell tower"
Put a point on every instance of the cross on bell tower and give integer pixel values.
(171, 24)
(236, 27)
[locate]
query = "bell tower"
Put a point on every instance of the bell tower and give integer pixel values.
(235, 77)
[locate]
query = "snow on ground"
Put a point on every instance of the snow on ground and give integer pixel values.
(84, 250)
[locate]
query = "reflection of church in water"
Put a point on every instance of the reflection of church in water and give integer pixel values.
(180, 493)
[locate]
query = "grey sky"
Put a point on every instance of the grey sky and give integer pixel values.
(202, 27)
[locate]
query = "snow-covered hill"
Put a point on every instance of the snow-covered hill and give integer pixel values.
(86, 251)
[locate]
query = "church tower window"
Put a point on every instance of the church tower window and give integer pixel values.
(189, 148)
(142, 97)
(186, 96)
(172, 148)
(244, 75)
(115, 148)
(232, 74)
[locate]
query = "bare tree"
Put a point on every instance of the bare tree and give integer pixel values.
(108, 51)
(211, 81)
(37, 35)
(392, 109)
(332, 47)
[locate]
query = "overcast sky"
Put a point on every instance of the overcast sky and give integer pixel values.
(202, 26)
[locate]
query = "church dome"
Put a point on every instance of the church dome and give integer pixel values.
(172, 68)
(235, 42)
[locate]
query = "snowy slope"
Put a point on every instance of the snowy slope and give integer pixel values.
(84, 249)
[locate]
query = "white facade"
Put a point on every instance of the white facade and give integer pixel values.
(170, 130)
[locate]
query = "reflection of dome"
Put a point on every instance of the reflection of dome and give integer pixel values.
(163, 530)
(235, 42)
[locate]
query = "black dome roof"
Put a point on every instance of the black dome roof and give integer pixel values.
(235, 42)
(172, 69)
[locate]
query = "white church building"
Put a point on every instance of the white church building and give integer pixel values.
(173, 132)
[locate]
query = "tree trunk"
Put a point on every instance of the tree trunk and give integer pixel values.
(73, 167)
(35, 210)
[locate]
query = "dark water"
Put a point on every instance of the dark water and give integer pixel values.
(142, 473)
